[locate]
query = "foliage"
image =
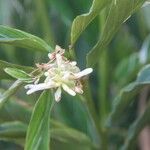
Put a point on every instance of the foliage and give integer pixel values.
(112, 37)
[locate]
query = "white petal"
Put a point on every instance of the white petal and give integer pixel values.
(50, 55)
(58, 94)
(73, 63)
(68, 90)
(29, 86)
(37, 81)
(39, 87)
(58, 48)
(66, 75)
(84, 73)
(58, 59)
(46, 73)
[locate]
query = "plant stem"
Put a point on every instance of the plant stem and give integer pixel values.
(103, 82)
(103, 88)
(43, 19)
(91, 108)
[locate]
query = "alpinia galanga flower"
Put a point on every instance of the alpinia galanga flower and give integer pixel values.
(60, 73)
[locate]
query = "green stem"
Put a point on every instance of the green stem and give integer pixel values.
(103, 88)
(43, 20)
(103, 82)
(87, 97)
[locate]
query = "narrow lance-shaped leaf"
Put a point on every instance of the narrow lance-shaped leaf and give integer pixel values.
(81, 22)
(22, 39)
(15, 132)
(19, 74)
(64, 133)
(12, 90)
(15, 109)
(4, 64)
(127, 69)
(136, 128)
(12, 129)
(120, 11)
(38, 137)
(71, 135)
(126, 95)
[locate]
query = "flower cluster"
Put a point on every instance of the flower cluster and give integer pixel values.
(60, 73)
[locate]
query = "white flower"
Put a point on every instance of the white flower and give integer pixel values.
(60, 74)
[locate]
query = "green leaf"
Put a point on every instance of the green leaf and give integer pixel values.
(12, 90)
(4, 64)
(119, 12)
(144, 75)
(136, 128)
(71, 135)
(127, 69)
(66, 134)
(66, 137)
(81, 22)
(19, 74)
(126, 95)
(15, 109)
(12, 129)
(38, 131)
(22, 39)
(13, 132)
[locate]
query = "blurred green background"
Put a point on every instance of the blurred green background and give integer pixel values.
(52, 20)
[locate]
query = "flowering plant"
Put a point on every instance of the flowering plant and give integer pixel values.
(59, 73)
(104, 109)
